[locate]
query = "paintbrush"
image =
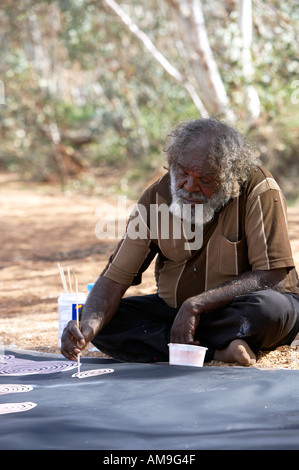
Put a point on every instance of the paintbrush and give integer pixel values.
(77, 317)
(64, 285)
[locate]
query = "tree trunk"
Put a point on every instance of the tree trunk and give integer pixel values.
(191, 26)
(245, 24)
(149, 45)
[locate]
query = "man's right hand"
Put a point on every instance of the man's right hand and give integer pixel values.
(74, 339)
(101, 304)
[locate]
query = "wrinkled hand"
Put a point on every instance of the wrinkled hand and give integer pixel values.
(185, 323)
(74, 339)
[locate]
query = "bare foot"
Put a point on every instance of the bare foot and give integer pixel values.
(237, 351)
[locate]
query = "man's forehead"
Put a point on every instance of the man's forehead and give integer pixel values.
(196, 165)
(196, 158)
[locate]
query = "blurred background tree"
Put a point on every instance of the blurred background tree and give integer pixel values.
(94, 86)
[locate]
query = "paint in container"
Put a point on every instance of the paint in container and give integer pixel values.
(186, 354)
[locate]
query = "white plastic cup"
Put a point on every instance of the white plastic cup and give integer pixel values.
(186, 354)
(67, 309)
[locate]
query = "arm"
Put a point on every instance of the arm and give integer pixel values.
(187, 318)
(98, 310)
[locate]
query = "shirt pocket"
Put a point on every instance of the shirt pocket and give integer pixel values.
(230, 254)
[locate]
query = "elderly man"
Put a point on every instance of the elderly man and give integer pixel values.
(230, 284)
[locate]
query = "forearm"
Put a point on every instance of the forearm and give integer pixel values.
(187, 318)
(250, 281)
(102, 303)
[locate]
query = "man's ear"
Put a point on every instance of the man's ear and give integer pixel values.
(235, 188)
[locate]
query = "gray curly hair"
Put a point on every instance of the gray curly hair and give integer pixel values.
(229, 151)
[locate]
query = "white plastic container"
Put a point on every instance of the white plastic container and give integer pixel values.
(186, 354)
(67, 309)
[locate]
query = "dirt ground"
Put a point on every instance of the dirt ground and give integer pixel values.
(43, 226)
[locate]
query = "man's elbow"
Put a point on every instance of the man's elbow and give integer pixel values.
(275, 279)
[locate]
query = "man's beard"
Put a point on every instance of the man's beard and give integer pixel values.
(209, 205)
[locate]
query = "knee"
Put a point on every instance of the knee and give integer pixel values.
(270, 299)
(270, 318)
(268, 304)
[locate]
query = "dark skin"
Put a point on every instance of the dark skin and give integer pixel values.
(106, 295)
(195, 175)
(187, 319)
(98, 310)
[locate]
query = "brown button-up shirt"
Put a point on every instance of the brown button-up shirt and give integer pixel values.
(249, 233)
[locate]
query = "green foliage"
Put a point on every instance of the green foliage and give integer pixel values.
(71, 69)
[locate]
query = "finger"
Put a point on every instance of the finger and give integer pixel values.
(69, 349)
(194, 343)
(87, 332)
(70, 341)
(176, 336)
(68, 354)
(189, 338)
(183, 338)
(77, 339)
(73, 329)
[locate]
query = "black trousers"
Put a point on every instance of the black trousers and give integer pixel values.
(140, 329)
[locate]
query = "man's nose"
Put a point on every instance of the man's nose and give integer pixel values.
(191, 186)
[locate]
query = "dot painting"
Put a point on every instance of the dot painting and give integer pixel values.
(6, 408)
(14, 388)
(9, 365)
(92, 373)
(12, 366)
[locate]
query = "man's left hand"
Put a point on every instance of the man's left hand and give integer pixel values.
(185, 323)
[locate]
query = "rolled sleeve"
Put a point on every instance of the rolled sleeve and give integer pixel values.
(132, 251)
(267, 232)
